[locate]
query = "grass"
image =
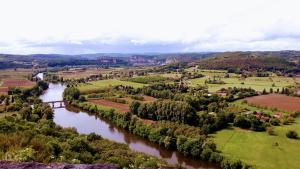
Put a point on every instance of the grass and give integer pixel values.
(257, 83)
(2, 115)
(210, 73)
(171, 75)
(259, 148)
(107, 83)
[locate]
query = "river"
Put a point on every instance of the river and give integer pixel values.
(86, 123)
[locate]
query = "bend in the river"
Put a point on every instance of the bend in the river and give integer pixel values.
(86, 123)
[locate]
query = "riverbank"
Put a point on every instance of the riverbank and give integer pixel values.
(184, 143)
(35, 165)
(189, 155)
(86, 123)
(39, 139)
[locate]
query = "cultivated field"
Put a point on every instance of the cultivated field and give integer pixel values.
(210, 73)
(3, 90)
(260, 149)
(80, 73)
(15, 74)
(278, 101)
(109, 104)
(17, 83)
(257, 83)
(22, 83)
(171, 75)
(146, 99)
(14, 78)
(91, 86)
(248, 107)
(119, 106)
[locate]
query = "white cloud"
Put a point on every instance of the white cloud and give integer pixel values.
(190, 25)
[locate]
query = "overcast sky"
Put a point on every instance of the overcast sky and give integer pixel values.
(96, 26)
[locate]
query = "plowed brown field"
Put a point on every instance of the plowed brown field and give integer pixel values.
(281, 102)
(3, 90)
(17, 83)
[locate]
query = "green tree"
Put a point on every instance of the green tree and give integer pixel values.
(134, 106)
(242, 121)
(26, 112)
(71, 93)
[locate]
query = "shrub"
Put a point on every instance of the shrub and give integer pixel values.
(242, 121)
(71, 93)
(215, 157)
(270, 131)
(117, 100)
(82, 98)
(93, 137)
(274, 122)
(54, 148)
(79, 145)
(27, 154)
(257, 125)
(227, 164)
(206, 154)
(137, 97)
(292, 134)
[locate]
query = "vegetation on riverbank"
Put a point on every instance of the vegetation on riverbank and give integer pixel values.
(210, 113)
(29, 134)
(190, 110)
(165, 133)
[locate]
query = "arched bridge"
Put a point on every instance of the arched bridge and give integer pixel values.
(56, 104)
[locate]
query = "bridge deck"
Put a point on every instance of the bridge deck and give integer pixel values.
(54, 104)
(57, 101)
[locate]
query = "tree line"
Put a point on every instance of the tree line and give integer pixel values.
(186, 139)
(165, 110)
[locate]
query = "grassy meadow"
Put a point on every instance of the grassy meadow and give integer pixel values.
(106, 83)
(257, 83)
(261, 149)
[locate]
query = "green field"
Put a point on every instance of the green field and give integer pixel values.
(208, 72)
(259, 148)
(257, 83)
(106, 83)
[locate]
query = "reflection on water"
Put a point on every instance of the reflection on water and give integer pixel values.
(86, 123)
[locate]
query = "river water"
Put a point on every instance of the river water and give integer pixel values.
(86, 123)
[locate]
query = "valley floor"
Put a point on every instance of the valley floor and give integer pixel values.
(260, 149)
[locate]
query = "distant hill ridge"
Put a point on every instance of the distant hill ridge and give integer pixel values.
(281, 60)
(210, 60)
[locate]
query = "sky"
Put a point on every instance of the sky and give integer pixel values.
(143, 26)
